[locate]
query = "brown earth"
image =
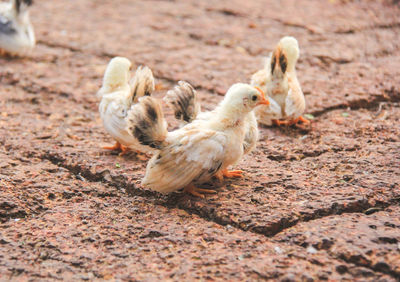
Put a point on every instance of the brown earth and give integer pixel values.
(316, 203)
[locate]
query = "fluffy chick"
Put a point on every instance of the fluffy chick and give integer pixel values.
(16, 31)
(117, 97)
(198, 151)
(279, 81)
(186, 106)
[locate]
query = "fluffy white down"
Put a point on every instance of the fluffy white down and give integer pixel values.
(21, 42)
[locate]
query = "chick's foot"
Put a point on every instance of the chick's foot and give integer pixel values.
(301, 119)
(278, 122)
(232, 173)
(193, 190)
(117, 146)
(124, 150)
(295, 121)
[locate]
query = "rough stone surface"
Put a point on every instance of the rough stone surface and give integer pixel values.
(318, 202)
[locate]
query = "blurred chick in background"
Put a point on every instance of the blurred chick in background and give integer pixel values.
(16, 31)
(198, 151)
(279, 81)
(117, 95)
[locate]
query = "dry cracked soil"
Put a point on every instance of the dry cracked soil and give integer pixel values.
(319, 202)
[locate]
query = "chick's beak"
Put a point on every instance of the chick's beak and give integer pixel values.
(263, 100)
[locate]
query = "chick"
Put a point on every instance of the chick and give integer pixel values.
(279, 81)
(16, 31)
(198, 151)
(118, 95)
(184, 102)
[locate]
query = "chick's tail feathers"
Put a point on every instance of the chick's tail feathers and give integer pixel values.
(183, 101)
(142, 83)
(146, 122)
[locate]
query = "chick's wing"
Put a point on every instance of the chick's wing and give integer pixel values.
(193, 155)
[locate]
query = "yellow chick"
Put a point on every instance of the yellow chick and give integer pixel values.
(279, 81)
(198, 151)
(184, 102)
(16, 31)
(118, 95)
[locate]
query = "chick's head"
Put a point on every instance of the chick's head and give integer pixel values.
(285, 55)
(244, 98)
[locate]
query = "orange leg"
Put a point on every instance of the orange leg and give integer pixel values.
(142, 156)
(278, 122)
(124, 150)
(117, 146)
(303, 120)
(232, 173)
(219, 175)
(299, 119)
(193, 190)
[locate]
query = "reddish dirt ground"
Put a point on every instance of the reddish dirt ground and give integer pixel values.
(317, 203)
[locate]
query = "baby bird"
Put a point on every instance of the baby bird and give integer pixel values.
(184, 102)
(279, 81)
(198, 151)
(118, 95)
(16, 31)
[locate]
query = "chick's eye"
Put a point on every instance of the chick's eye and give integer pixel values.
(254, 98)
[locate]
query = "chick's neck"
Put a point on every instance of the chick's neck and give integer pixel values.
(230, 116)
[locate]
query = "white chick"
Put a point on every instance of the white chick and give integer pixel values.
(279, 81)
(117, 97)
(184, 102)
(16, 31)
(198, 151)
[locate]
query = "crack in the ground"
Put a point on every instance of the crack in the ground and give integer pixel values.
(85, 174)
(380, 266)
(376, 26)
(173, 201)
(357, 260)
(311, 29)
(284, 223)
(297, 156)
(390, 95)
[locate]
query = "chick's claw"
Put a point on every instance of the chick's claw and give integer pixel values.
(232, 173)
(193, 190)
(124, 150)
(303, 120)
